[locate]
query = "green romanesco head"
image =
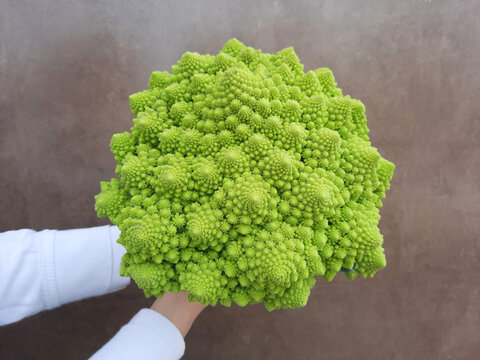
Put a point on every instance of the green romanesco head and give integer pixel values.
(244, 178)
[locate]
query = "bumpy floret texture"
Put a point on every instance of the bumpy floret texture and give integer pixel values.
(244, 178)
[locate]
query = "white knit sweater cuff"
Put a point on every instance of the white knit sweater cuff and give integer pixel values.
(81, 263)
(148, 336)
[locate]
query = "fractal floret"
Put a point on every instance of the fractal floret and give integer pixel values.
(243, 179)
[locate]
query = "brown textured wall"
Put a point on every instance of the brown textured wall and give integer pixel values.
(67, 68)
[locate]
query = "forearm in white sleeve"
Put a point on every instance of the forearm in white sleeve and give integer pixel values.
(148, 336)
(45, 269)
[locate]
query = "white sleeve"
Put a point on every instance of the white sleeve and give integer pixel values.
(45, 269)
(148, 336)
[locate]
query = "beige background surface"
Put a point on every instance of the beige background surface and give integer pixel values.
(67, 68)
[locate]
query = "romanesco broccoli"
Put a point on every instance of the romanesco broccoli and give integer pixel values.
(243, 178)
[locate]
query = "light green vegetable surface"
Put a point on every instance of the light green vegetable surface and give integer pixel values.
(244, 178)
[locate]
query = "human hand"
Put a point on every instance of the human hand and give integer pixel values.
(176, 308)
